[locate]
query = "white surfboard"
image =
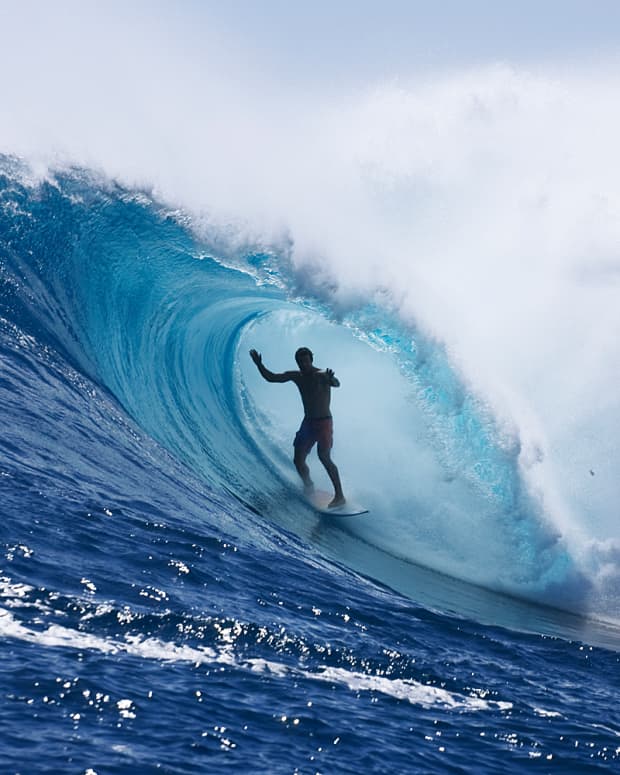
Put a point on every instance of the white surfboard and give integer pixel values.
(319, 500)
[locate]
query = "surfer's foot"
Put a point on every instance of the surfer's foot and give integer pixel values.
(309, 488)
(339, 500)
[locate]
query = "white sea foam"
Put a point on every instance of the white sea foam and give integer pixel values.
(57, 636)
(416, 693)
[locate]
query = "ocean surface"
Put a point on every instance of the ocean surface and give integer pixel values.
(169, 604)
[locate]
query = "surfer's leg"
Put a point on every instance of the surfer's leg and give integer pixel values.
(302, 445)
(334, 475)
(302, 468)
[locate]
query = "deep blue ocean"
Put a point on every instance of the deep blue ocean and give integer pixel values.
(171, 605)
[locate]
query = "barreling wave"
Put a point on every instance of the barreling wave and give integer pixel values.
(160, 313)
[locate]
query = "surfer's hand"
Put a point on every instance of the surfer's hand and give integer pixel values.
(256, 357)
(332, 379)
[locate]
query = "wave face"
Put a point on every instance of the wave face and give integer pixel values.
(162, 319)
(160, 565)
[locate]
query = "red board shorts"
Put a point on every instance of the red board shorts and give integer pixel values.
(313, 430)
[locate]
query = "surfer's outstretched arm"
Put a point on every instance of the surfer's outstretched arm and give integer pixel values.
(270, 376)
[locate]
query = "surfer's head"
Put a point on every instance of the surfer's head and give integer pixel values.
(304, 358)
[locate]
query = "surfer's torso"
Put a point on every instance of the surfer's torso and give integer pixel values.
(315, 390)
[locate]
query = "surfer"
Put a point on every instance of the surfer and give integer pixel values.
(317, 426)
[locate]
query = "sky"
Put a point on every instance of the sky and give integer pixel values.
(369, 39)
(344, 42)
